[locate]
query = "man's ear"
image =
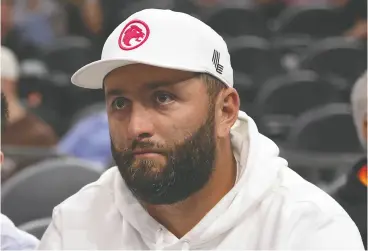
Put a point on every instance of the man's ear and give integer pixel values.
(228, 103)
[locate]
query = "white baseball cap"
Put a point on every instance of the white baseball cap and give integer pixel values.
(161, 38)
(9, 64)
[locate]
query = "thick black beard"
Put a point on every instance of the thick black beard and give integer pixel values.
(189, 167)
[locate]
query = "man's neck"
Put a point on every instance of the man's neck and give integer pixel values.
(181, 217)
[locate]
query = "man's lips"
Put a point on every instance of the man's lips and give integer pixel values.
(146, 152)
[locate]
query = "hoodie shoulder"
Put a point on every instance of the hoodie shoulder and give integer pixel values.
(299, 191)
(96, 194)
(309, 217)
(77, 222)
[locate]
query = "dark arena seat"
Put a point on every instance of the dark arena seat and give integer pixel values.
(232, 22)
(33, 193)
(281, 99)
(253, 56)
(36, 227)
(315, 21)
(326, 129)
(69, 53)
(344, 57)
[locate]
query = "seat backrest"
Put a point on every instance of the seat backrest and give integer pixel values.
(35, 191)
(329, 128)
(290, 49)
(36, 227)
(314, 20)
(237, 21)
(33, 67)
(343, 57)
(69, 53)
(20, 157)
(253, 56)
(294, 93)
(245, 86)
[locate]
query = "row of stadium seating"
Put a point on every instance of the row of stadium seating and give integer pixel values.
(235, 18)
(324, 129)
(255, 56)
(317, 21)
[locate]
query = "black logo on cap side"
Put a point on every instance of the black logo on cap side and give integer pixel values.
(216, 61)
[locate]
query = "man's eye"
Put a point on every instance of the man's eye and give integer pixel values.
(163, 98)
(119, 103)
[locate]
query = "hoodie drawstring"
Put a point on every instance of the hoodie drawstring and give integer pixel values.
(185, 245)
(160, 239)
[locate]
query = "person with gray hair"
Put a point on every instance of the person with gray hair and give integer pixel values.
(352, 196)
(359, 106)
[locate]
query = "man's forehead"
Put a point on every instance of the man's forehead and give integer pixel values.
(145, 75)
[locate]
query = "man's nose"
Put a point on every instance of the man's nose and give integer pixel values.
(140, 123)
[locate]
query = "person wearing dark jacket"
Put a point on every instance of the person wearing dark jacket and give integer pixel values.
(353, 194)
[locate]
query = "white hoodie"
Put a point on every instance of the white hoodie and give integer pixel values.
(270, 207)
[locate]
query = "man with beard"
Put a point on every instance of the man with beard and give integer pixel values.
(192, 171)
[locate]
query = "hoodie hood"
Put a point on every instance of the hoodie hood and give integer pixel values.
(258, 165)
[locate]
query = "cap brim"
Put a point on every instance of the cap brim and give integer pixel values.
(91, 76)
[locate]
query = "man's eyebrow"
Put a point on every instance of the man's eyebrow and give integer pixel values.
(114, 92)
(155, 85)
(150, 86)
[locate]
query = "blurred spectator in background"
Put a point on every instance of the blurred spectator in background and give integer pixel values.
(24, 129)
(353, 194)
(11, 36)
(359, 105)
(40, 94)
(355, 13)
(12, 238)
(29, 25)
(93, 132)
(91, 19)
(85, 18)
(37, 20)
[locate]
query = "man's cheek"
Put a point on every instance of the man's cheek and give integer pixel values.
(120, 144)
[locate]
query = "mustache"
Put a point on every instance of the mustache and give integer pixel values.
(145, 145)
